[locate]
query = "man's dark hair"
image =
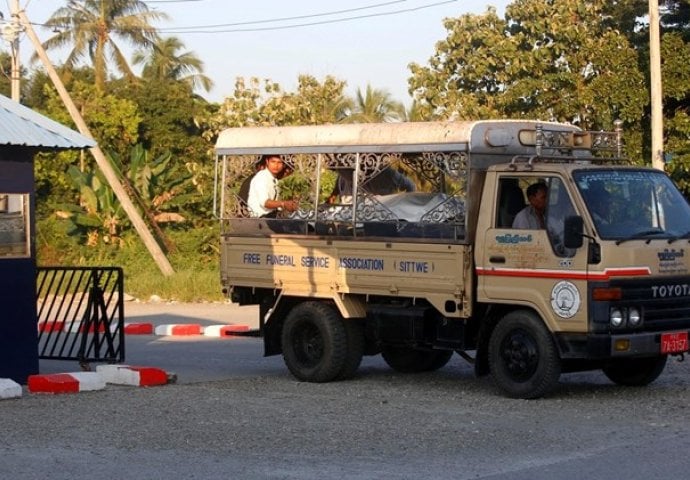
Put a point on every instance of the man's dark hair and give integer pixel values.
(263, 159)
(534, 188)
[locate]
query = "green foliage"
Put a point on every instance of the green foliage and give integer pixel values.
(163, 188)
(254, 103)
(100, 218)
(90, 28)
(550, 60)
(675, 70)
(164, 192)
(151, 178)
(113, 122)
(558, 60)
(5, 74)
(52, 182)
(568, 60)
(34, 90)
(165, 63)
(170, 116)
(373, 106)
(196, 261)
(469, 70)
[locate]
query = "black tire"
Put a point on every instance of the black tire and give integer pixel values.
(410, 360)
(314, 342)
(440, 360)
(354, 331)
(635, 372)
(523, 359)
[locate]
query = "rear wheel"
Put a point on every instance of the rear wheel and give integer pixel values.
(409, 360)
(314, 342)
(523, 359)
(442, 357)
(635, 372)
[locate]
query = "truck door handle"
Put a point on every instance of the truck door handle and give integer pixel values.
(497, 259)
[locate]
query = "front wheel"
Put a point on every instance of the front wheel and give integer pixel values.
(314, 342)
(635, 372)
(523, 359)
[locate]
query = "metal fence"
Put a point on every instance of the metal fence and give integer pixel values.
(80, 314)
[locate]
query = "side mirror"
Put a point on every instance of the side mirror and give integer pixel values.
(573, 232)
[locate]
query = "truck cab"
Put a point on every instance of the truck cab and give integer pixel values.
(420, 269)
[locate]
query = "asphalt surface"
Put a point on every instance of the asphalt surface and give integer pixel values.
(235, 414)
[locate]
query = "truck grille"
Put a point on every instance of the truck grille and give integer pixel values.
(665, 303)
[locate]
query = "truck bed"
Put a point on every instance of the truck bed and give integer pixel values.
(323, 268)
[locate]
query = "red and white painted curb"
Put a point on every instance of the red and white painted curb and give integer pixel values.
(182, 329)
(224, 330)
(50, 326)
(196, 329)
(9, 389)
(89, 381)
(72, 327)
(131, 375)
(138, 328)
(66, 382)
(178, 329)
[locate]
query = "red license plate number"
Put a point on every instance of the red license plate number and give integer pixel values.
(674, 342)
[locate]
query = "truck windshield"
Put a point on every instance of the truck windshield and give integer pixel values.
(629, 204)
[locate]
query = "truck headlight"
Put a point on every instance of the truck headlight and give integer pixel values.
(634, 317)
(616, 317)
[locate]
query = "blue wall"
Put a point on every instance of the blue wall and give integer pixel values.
(18, 317)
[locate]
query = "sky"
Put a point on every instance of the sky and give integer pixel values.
(363, 42)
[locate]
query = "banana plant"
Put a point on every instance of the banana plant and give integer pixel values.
(160, 190)
(157, 185)
(98, 217)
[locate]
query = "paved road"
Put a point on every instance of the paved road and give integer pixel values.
(191, 358)
(203, 313)
(235, 414)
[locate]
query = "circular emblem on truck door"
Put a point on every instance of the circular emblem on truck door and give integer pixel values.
(565, 299)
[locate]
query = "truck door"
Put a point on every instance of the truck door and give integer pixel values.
(531, 266)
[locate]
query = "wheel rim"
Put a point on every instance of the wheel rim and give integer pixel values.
(307, 344)
(520, 355)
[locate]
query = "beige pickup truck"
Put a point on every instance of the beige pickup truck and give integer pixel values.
(421, 269)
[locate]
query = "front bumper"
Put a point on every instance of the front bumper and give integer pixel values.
(602, 346)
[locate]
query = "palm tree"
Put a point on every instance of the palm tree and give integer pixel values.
(164, 62)
(375, 106)
(415, 113)
(91, 26)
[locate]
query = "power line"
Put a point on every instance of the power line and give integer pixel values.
(299, 25)
(203, 28)
(283, 19)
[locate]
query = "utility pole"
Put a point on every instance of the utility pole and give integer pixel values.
(103, 163)
(657, 120)
(10, 32)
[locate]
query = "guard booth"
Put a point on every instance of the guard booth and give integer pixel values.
(23, 133)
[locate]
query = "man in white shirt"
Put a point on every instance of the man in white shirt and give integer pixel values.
(263, 190)
(532, 216)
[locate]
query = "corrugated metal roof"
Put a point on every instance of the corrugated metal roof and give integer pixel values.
(21, 126)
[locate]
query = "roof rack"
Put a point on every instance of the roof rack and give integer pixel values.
(594, 141)
(529, 160)
(609, 144)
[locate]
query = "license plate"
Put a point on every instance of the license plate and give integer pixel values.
(674, 342)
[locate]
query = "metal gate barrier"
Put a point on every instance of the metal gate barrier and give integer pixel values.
(80, 314)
